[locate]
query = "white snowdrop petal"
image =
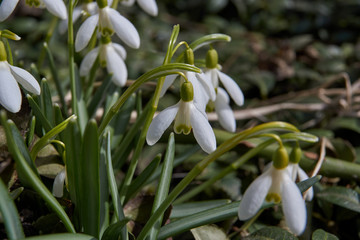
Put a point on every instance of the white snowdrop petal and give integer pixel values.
(58, 185)
(116, 66)
(212, 75)
(25, 79)
(207, 85)
(293, 206)
(85, 32)
(232, 88)
(6, 8)
(124, 29)
(201, 98)
(110, 2)
(254, 196)
(149, 6)
(302, 177)
(10, 95)
(202, 130)
(160, 123)
(127, 3)
(88, 62)
(224, 112)
(169, 80)
(120, 50)
(56, 7)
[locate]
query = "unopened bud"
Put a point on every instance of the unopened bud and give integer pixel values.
(211, 59)
(189, 56)
(187, 92)
(280, 158)
(295, 155)
(101, 3)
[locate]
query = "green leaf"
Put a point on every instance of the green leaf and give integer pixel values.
(209, 232)
(48, 136)
(186, 209)
(9, 212)
(62, 236)
(320, 234)
(39, 114)
(90, 181)
(164, 183)
(99, 96)
(114, 230)
(208, 39)
(305, 185)
(198, 219)
(31, 178)
(46, 102)
(341, 196)
(271, 233)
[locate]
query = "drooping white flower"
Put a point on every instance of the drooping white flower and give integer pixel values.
(275, 185)
(56, 7)
(10, 76)
(112, 56)
(58, 185)
(149, 6)
(223, 110)
(296, 171)
(108, 21)
(187, 116)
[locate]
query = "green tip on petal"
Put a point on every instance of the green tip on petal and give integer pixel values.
(187, 92)
(211, 58)
(280, 158)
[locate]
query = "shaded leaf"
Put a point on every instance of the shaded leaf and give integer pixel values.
(320, 234)
(271, 233)
(209, 232)
(341, 196)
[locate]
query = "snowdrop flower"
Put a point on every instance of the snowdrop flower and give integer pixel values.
(56, 7)
(10, 76)
(112, 56)
(296, 171)
(58, 185)
(213, 74)
(108, 21)
(223, 110)
(203, 88)
(149, 6)
(275, 185)
(187, 116)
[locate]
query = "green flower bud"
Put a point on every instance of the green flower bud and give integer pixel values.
(9, 35)
(187, 92)
(3, 55)
(280, 158)
(211, 59)
(189, 56)
(101, 3)
(295, 155)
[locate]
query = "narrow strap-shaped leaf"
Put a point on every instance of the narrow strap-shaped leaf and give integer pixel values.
(48, 136)
(46, 102)
(30, 135)
(90, 181)
(31, 178)
(99, 96)
(62, 236)
(39, 114)
(9, 213)
(114, 230)
(205, 217)
(164, 183)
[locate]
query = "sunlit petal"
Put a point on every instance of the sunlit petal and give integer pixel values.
(160, 123)
(85, 32)
(120, 50)
(25, 79)
(116, 66)
(202, 130)
(293, 206)
(207, 85)
(254, 196)
(224, 112)
(232, 88)
(201, 98)
(56, 7)
(6, 8)
(88, 62)
(124, 29)
(148, 6)
(10, 95)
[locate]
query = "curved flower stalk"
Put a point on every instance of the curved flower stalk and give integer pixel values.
(149, 6)
(112, 56)
(222, 102)
(10, 76)
(56, 7)
(187, 116)
(275, 185)
(108, 21)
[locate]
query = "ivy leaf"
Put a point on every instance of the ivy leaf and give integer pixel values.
(320, 234)
(341, 196)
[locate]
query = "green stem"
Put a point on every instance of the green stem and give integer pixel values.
(225, 147)
(74, 106)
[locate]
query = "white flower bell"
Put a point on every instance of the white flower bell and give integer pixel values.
(149, 6)
(112, 56)
(56, 7)
(108, 21)
(275, 185)
(58, 185)
(10, 76)
(187, 116)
